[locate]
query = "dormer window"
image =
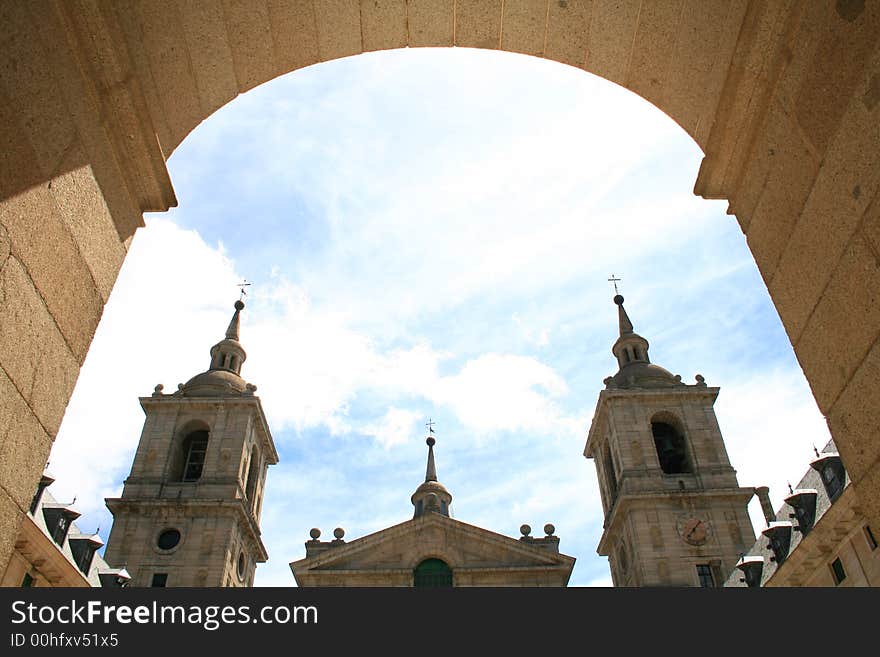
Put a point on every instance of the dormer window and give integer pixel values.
(779, 536)
(45, 480)
(803, 503)
(831, 471)
(58, 518)
(83, 549)
(751, 567)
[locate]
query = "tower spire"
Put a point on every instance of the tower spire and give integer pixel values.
(431, 472)
(631, 351)
(431, 495)
(235, 322)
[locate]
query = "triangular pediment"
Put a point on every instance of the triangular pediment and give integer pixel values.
(394, 552)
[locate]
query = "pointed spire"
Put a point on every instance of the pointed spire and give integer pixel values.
(431, 473)
(431, 495)
(235, 322)
(626, 326)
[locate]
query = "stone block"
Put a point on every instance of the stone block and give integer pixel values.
(27, 76)
(11, 516)
(849, 312)
(250, 39)
(847, 180)
(339, 28)
(612, 32)
(653, 46)
(855, 416)
(24, 446)
(33, 352)
(478, 23)
(790, 170)
(162, 37)
(568, 31)
(293, 33)
(431, 22)
(42, 243)
(204, 29)
(83, 209)
(700, 30)
(523, 26)
(835, 71)
(384, 24)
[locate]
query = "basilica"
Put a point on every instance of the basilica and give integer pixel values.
(674, 512)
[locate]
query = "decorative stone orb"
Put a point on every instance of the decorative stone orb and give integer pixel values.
(525, 530)
(549, 529)
(315, 533)
(339, 532)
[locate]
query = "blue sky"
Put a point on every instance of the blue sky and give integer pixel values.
(429, 234)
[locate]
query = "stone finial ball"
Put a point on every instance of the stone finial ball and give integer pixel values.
(159, 387)
(525, 530)
(315, 533)
(339, 532)
(239, 305)
(549, 529)
(700, 378)
(430, 441)
(618, 299)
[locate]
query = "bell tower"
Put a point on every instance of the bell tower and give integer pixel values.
(674, 512)
(189, 514)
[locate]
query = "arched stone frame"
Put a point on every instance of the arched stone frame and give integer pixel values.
(416, 562)
(783, 98)
(681, 439)
(179, 447)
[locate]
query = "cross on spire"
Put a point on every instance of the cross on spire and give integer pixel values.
(430, 424)
(614, 281)
(243, 285)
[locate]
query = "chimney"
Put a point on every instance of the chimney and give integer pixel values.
(763, 493)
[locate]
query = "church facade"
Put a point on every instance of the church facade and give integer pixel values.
(435, 550)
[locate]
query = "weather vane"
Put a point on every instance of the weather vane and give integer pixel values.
(614, 281)
(430, 424)
(243, 285)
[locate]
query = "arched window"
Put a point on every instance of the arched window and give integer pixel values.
(194, 448)
(432, 573)
(671, 451)
(610, 476)
(253, 469)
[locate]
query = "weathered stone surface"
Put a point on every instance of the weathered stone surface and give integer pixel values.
(523, 26)
(41, 241)
(854, 418)
(11, 516)
(32, 351)
(339, 28)
(294, 33)
(431, 22)
(478, 23)
(568, 31)
(250, 39)
(612, 32)
(204, 29)
(24, 446)
(653, 48)
(81, 206)
(847, 180)
(852, 315)
(384, 24)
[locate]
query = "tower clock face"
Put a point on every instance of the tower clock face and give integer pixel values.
(694, 530)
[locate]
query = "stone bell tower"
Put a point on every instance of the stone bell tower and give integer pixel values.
(674, 512)
(190, 509)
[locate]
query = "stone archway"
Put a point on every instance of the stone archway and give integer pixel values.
(783, 97)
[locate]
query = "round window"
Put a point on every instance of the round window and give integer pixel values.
(168, 539)
(241, 565)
